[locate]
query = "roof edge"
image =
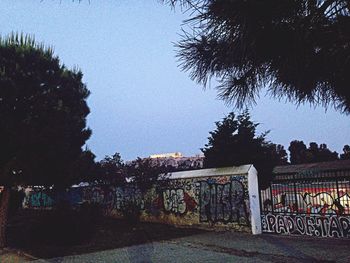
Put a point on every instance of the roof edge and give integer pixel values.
(222, 171)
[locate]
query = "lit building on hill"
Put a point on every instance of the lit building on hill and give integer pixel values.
(178, 161)
(175, 160)
(166, 155)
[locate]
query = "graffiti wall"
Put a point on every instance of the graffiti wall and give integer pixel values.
(204, 198)
(108, 197)
(38, 198)
(220, 201)
(312, 207)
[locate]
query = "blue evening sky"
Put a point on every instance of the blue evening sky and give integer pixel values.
(141, 103)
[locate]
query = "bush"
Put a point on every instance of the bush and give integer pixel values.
(131, 212)
(66, 226)
(16, 201)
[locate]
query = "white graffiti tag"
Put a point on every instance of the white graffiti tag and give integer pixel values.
(174, 201)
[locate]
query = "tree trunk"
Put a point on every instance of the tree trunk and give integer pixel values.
(4, 205)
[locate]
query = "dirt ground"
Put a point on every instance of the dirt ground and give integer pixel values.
(45, 235)
(14, 256)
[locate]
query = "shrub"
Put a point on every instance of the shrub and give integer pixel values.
(131, 212)
(64, 225)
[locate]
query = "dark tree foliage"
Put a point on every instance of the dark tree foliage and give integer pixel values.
(299, 154)
(42, 120)
(85, 168)
(321, 153)
(296, 49)
(112, 169)
(234, 142)
(297, 150)
(145, 173)
(346, 153)
(42, 115)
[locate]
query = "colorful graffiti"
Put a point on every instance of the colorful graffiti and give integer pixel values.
(40, 199)
(108, 197)
(104, 196)
(223, 202)
(313, 199)
(204, 201)
(314, 208)
(174, 201)
(321, 226)
(178, 201)
(111, 197)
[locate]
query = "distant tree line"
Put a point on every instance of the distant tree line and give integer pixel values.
(300, 154)
(234, 141)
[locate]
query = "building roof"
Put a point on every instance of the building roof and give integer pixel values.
(313, 170)
(235, 170)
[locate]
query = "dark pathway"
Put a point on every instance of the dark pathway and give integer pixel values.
(225, 247)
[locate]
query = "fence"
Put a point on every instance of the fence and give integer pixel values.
(309, 200)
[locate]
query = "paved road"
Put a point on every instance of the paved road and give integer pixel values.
(224, 247)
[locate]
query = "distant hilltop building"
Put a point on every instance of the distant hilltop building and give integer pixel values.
(178, 161)
(175, 161)
(166, 155)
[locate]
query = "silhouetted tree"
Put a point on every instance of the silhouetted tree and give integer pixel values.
(234, 142)
(218, 151)
(145, 173)
(85, 168)
(324, 154)
(297, 150)
(298, 49)
(42, 119)
(299, 154)
(112, 169)
(346, 153)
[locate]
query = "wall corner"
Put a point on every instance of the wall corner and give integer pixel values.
(254, 201)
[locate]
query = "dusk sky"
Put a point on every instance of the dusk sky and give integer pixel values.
(141, 103)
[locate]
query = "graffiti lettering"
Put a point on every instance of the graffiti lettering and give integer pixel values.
(178, 201)
(222, 202)
(306, 202)
(331, 226)
(40, 199)
(132, 195)
(113, 197)
(104, 196)
(174, 201)
(183, 184)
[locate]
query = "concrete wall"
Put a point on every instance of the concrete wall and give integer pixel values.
(209, 198)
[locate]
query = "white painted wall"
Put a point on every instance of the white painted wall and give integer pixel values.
(254, 202)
